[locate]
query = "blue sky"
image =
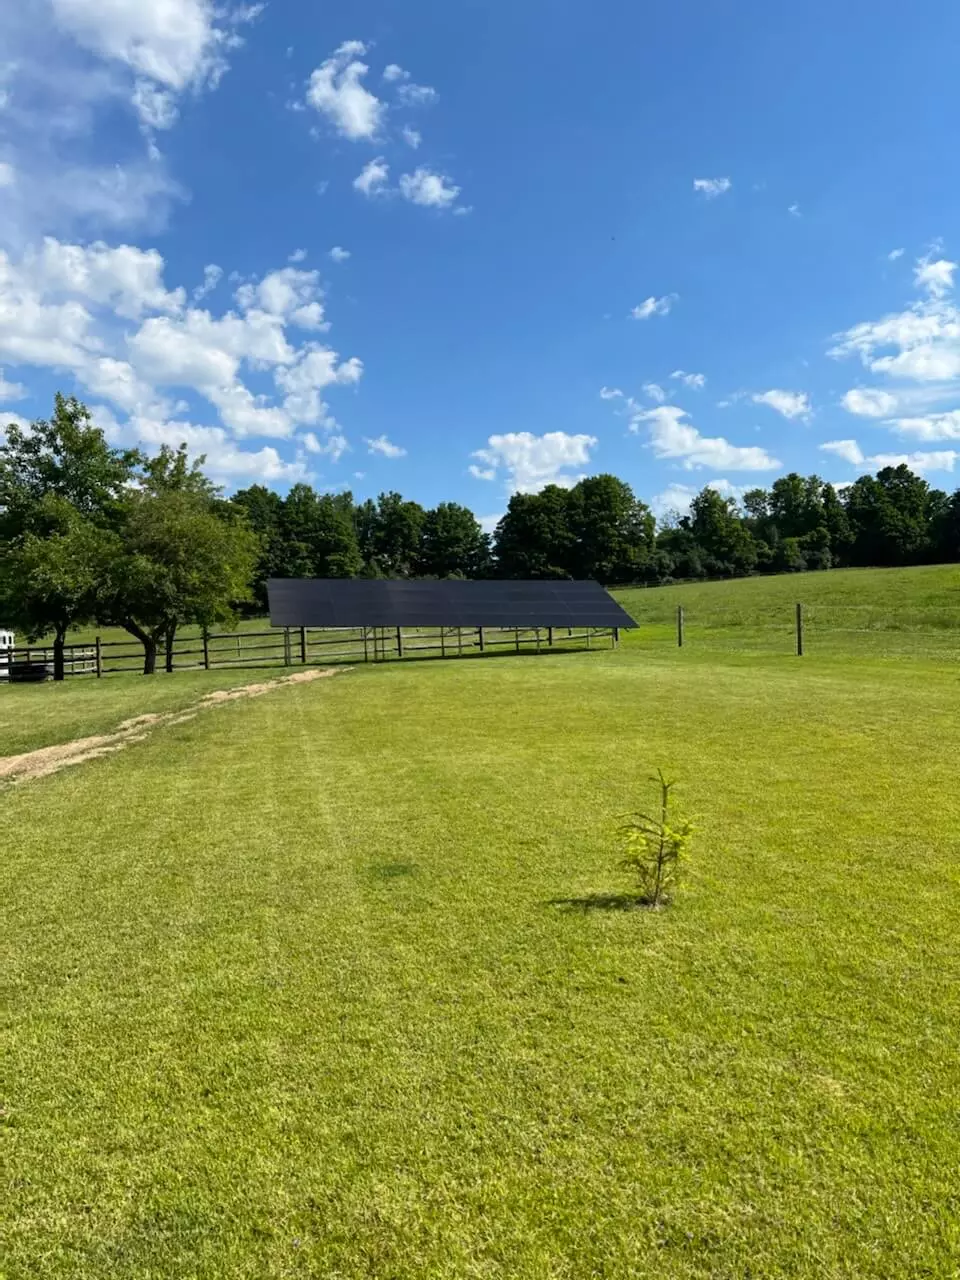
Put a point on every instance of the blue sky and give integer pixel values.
(461, 250)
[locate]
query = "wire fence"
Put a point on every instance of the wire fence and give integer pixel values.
(286, 647)
(829, 630)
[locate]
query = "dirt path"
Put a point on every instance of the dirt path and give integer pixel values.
(47, 760)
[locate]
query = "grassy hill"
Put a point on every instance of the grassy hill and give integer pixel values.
(860, 612)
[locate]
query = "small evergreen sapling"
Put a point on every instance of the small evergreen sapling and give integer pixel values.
(656, 847)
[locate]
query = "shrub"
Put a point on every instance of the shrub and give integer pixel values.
(656, 847)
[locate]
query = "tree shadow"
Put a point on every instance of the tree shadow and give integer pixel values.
(603, 902)
(392, 870)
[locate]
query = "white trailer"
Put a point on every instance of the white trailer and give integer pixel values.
(7, 642)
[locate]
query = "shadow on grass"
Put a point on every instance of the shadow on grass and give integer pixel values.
(603, 902)
(392, 870)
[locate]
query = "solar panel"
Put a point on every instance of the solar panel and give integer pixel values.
(381, 602)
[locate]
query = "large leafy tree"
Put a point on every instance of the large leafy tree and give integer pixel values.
(534, 538)
(396, 536)
(263, 510)
(453, 543)
(65, 457)
(612, 532)
(179, 561)
(51, 582)
(891, 515)
(317, 536)
(728, 546)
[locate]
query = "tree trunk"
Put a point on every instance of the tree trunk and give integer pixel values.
(168, 639)
(149, 655)
(59, 666)
(149, 641)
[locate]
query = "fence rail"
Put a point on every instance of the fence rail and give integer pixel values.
(291, 647)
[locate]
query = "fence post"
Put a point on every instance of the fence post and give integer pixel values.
(550, 636)
(287, 655)
(206, 649)
(303, 645)
(799, 630)
(366, 652)
(98, 657)
(459, 642)
(480, 633)
(616, 638)
(399, 643)
(679, 626)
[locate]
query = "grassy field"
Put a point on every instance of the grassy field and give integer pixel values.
(317, 986)
(847, 612)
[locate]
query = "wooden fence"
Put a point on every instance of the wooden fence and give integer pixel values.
(290, 646)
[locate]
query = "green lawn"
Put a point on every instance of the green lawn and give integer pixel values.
(289, 993)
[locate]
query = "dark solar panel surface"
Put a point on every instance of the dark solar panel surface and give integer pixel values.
(360, 602)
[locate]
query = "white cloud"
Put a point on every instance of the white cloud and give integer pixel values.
(339, 254)
(8, 175)
(412, 137)
(333, 447)
(417, 95)
(848, 450)
(392, 72)
(298, 255)
(212, 275)
(654, 307)
(489, 523)
(170, 41)
(697, 381)
(712, 187)
(919, 344)
(11, 390)
(611, 393)
(894, 254)
(791, 404)
(794, 211)
(226, 463)
(427, 188)
(482, 473)
(156, 107)
(373, 177)
(528, 462)
(655, 392)
(335, 90)
(384, 447)
(104, 315)
(290, 293)
(670, 437)
(169, 46)
(123, 277)
(920, 463)
(867, 402)
(303, 382)
(14, 420)
(935, 276)
(931, 426)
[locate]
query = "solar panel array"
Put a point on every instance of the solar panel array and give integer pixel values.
(363, 602)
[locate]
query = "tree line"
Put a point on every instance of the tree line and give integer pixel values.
(92, 533)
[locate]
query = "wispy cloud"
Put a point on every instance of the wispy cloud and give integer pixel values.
(654, 306)
(712, 187)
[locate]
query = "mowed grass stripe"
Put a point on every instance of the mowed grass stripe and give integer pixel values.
(295, 1001)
